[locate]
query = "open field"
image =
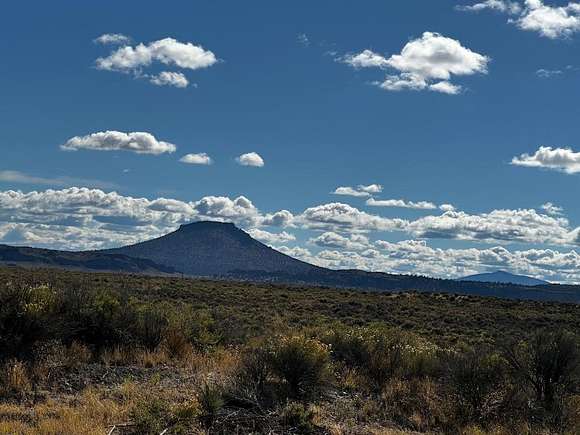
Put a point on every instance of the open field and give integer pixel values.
(94, 353)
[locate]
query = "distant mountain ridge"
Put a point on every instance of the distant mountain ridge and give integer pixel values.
(501, 276)
(95, 261)
(223, 251)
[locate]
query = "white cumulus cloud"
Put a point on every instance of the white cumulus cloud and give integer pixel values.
(447, 207)
(552, 209)
(197, 159)
(282, 218)
(271, 238)
(371, 188)
(167, 78)
(366, 59)
(550, 21)
(337, 216)
(350, 191)
(446, 88)
(497, 226)
(168, 51)
(360, 191)
(251, 159)
(428, 62)
(558, 159)
(354, 242)
(137, 142)
(504, 226)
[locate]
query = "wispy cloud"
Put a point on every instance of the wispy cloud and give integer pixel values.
(506, 6)
(401, 203)
(112, 39)
(303, 39)
(545, 73)
(18, 177)
(548, 73)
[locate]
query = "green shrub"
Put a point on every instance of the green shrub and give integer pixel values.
(415, 404)
(349, 345)
(106, 319)
(26, 317)
(203, 330)
(151, 326)
(184, 418)
(298, 418)
(475, 379)
(176, 344)
(151, 416)
(383, 353)
(252, 382)
(549, 363)
(302, 363)
(211, 402)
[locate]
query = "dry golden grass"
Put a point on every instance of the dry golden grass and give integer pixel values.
(77, 354)
(219, 365)
(14, 380)
(416, 403)
(88, 413)
(95, 409)
(92, 411)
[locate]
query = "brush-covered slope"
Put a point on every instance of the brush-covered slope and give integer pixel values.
(214, 249)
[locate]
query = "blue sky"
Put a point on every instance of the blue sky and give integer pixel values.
(293, 83)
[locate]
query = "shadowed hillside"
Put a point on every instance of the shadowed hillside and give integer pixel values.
(97, 261)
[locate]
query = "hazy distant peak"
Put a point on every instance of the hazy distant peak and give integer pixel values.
(501, 276)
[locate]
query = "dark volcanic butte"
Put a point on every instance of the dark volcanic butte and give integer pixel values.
(214, 249)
